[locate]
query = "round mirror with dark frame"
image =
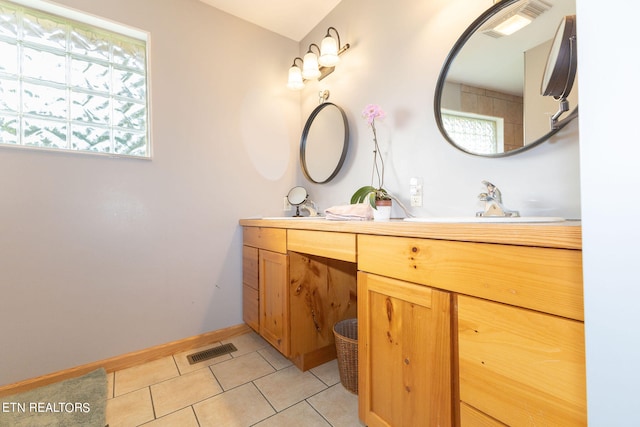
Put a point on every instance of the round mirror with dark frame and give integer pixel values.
(324, 143)
(488, 99)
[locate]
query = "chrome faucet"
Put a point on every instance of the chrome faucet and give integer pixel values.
(310, 206)
(493, 202)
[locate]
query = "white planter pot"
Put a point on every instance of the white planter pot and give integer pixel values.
(382, 211)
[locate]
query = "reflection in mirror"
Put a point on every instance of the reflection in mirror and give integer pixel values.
(488, 100)
(324, 143)
(296, 197)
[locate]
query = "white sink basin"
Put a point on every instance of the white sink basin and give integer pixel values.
(293, 218)
(483, 219)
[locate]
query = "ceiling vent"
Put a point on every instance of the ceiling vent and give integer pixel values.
(514, 17)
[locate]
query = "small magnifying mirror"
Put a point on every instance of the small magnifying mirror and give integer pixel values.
(560, 71)
(296, 197)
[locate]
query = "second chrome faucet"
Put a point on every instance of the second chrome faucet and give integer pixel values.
(493, 203)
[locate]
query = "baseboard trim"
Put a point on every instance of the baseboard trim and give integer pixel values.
(128, 360)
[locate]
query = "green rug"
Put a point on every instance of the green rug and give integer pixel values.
(74, 402)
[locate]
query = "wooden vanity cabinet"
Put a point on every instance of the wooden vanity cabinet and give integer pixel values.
(404, 353)
(520, 367)
(517, 346)
(457, 325)
(266, 261)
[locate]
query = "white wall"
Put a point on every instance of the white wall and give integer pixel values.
(99, 256)
(397, 51)
(610, 151)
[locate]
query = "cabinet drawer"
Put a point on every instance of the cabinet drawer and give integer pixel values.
(250, 267)
(543, 279)
(520, 366)
(251, 307)
(272, 239)
(334, 245)
(471, 417)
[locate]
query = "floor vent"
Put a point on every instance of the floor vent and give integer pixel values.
(211, 353)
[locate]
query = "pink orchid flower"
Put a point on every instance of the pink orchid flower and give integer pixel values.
(372, 112)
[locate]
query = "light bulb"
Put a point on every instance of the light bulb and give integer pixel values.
(295, 78)
(310, 70)
(329, 52)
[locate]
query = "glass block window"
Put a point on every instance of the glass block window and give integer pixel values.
(69, 85)
(474, 132)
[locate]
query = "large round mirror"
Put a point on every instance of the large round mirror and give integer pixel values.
(324, 143)
(488, 99)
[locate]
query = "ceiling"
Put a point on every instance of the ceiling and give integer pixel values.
(291, 18)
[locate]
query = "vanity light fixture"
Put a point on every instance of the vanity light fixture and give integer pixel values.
(318, 62)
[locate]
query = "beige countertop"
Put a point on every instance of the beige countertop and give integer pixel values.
(566, 234)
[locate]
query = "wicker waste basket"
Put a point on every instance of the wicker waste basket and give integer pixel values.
(346, 335)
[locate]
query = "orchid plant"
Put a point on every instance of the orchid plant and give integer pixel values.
(371, 192)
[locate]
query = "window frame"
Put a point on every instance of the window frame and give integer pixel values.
(499, 124)
(112, 31)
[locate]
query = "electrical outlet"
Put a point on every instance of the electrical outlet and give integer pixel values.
(286, 206)
(415, 191)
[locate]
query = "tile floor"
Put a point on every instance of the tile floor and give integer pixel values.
(254, 386)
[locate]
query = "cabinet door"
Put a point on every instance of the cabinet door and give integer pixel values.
(274, 299)
(521, 367)
(250, 288)
(404, 353)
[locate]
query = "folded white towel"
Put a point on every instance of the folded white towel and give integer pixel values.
(355, 212)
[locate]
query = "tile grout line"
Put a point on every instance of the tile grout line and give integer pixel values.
(216, 379)
(155, 416)
(276, 370)
(153, 407)
(195, 414)
(322, 391)
(316, 410)
(175, 363)
(190, 406)
(200, 401)
(296, 403)
(113, 386)
(265, 398)
(266, 360)
(320, 379)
